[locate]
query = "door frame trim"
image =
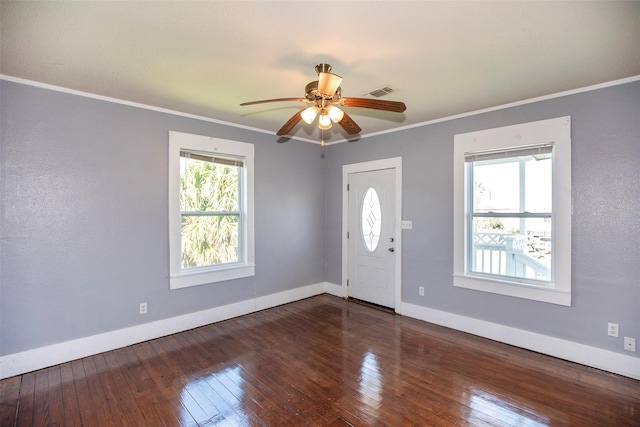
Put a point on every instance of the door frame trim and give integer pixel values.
(389, 163)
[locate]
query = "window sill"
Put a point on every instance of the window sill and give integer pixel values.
(197, 278)
(549, 294)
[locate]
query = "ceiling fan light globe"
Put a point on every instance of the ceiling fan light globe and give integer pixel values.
(309, 115)
(324, 122)
(336, 114)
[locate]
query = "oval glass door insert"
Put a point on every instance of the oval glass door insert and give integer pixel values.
(371, 219)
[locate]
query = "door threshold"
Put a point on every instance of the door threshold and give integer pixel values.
(371, 305)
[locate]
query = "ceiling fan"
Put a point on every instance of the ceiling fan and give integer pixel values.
(325, 100)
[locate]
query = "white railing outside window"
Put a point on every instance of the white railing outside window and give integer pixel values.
(510, 255)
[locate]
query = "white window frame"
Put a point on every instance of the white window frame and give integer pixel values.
(245, 267)
(558, 132)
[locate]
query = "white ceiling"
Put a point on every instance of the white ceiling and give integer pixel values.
(205, 58)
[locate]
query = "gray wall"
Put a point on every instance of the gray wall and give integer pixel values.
(605, 223)
(83, 237)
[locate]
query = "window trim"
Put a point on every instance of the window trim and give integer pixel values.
(181, 278)
(558, 132)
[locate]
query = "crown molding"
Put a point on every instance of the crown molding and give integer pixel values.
(368, 135)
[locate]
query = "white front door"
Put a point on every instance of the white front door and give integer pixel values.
(372, 240)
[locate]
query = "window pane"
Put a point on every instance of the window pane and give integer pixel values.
(515, 247)
(208, 187)
(209, 240)
(538, 185)
(371, 219)
(496, 186)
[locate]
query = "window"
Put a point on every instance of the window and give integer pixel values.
(512, 210)
(210, 210)
(509, 219)
(371, 220)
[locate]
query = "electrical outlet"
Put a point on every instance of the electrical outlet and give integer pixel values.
(613, 329)
(143, 308)
(407, 225)
(421, 291)
(629, 344)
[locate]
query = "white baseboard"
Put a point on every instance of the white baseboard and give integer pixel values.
(43, 357)
(610, 361)
(336, 290)
(574, 352)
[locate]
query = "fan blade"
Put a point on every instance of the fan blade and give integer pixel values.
(284, 130)
(349, 125)
(376, 104)
(264, 101)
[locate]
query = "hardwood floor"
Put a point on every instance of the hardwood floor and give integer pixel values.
(322, 361)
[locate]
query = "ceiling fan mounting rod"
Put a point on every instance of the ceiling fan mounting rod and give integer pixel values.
(323, 68)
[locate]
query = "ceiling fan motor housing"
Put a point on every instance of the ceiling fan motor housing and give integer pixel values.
(312, 94)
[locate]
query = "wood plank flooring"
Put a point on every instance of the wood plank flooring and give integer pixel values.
(322, 361)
